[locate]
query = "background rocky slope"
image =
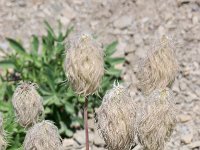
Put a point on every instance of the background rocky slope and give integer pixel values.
(136, 24)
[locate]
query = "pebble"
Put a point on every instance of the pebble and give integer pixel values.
(123, 22)
(79, 137)
(97, 148)
(84, 148)
(195, 20)
(69, 12)
(183, 86)
(186, 139)
(138, 39)
(180, 2)
(195, 144)
(98, 140)
(141, 52)
(184, 118)
(68, 142)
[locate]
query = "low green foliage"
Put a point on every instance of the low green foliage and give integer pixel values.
(42, 63)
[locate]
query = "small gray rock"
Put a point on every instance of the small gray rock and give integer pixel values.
(79, 137)
(68, 142)
(98, 140)
(123, 22)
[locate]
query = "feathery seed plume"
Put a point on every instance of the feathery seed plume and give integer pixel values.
(27, 104)
(84, 65)
(115, 119)
(160, 67)
(157, 120)
(43, 136)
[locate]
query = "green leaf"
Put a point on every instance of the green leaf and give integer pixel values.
(16, 46)
(68, 132)
(111, 48)
(113, 72)
(18, 49)
(6, 64)
(77, 122)
(47, 110)
(52, 100)
(105, 82)
(81, 99)
(116, 60)
(50, 77)
(60, 37)
(5, 106)
(65, 130)
(2, 91)
(68, 31)
(49, 29)
(35, 44)
(69, 108)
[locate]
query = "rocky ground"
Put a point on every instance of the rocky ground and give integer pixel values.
(136, 24)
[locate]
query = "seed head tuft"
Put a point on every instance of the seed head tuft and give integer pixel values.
(160, 67)
(115, 119)
(27, 104)
(157, 119)
(43, 136)
(84, 65)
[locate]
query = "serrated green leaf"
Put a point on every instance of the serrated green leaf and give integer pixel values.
(116, 60)
(113, 72)
(111, 48)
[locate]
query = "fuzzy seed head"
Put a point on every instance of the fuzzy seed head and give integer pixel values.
(115, 119)
(3, 142)
(84, 65)
(43, 136)
(157, 119)
(160, 68)
(27, 104)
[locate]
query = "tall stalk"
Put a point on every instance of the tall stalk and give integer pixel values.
(86, 123)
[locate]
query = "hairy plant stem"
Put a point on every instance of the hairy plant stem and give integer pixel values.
(86, 123)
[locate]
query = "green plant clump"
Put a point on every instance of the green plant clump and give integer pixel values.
(42, 63)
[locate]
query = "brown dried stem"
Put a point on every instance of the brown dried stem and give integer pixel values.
(86, 123)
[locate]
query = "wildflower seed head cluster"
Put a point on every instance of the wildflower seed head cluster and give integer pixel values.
(84, 65)
(157, 119)
(159, 68)
(27, 104)
(115, 118)
(43, 136)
